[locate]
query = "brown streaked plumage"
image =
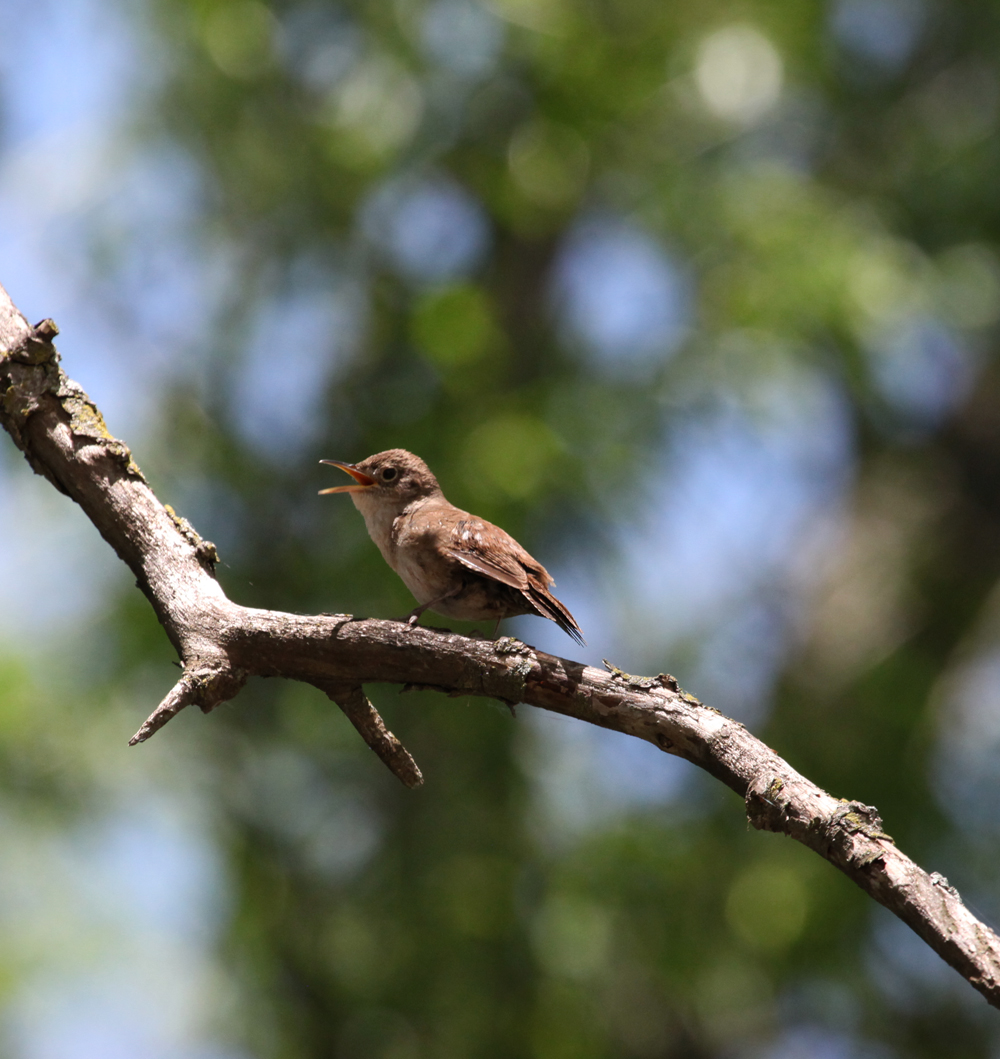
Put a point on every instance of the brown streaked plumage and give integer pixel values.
(453, 563)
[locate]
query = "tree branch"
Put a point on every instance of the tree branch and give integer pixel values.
(220, 643)
(363, 715)
(205, 687)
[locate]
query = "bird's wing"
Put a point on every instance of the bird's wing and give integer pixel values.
(492, 552)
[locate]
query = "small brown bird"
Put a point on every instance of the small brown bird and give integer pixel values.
(454, 563)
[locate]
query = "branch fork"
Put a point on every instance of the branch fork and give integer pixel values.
(205, 687)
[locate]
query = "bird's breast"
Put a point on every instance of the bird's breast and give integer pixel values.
(418, 559)
(420, 577)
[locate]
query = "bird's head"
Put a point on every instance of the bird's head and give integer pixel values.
(394, 477)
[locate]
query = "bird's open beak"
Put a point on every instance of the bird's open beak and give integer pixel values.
(363, 481)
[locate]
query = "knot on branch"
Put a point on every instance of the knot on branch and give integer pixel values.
(661, 680)
(856, 818)
(940, 881)
(510, 645)
(28, 371)
(36, 347)
(851, 835)
(206, 551)
(508, 684)
(643, 683)
(856, 833)
(767, 808)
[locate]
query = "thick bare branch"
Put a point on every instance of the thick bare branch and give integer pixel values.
(220, 643)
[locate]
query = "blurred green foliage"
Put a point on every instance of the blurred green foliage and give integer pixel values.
(808, 192)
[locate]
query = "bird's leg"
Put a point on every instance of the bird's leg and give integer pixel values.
(413, 618)
(496, 628)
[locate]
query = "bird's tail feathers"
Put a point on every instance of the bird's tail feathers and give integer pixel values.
(547, 606)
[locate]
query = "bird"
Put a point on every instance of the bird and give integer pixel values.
(454, 563)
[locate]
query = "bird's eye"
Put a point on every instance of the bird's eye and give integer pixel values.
(388, 474)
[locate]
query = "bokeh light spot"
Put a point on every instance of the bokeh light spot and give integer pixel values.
(454, 326)
(512, 453)
(616, 290)
(572, 937)
(967, 770)
(278, 392)
(767, 906)
(238, 36)
(542, 16)
(921, 370)
(885, 281)
(430, 230)
(969, 287)
(374, 111)
(883, 32)
(549, 163)
(462, 37)
(738, 73)
(318, 45)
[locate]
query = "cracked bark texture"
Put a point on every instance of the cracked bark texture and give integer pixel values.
(220, 644)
